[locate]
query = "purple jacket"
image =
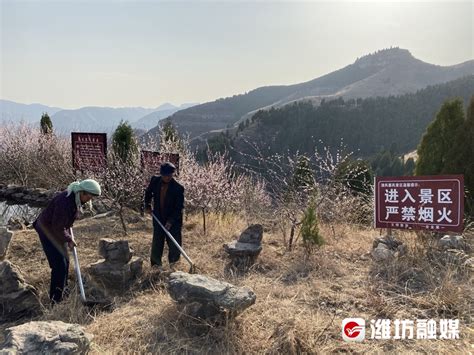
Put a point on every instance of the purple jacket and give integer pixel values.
(56, 219)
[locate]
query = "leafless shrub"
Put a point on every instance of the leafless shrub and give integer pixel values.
(123, 183)
(294, 179)
(214, 186)
(31, 158)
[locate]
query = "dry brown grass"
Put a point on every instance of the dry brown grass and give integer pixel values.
(301, 300)
(430, 282)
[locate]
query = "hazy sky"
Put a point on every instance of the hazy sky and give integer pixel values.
(144, 53)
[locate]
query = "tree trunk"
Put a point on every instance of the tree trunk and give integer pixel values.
(204, 219)
(292, 235)
(124, 226)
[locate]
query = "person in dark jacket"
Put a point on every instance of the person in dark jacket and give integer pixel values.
(53, 225)
(168, 204)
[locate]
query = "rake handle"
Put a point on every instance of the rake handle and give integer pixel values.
(173, 240)
(78, 270)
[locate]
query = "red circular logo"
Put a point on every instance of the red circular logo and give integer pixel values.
(351, 329)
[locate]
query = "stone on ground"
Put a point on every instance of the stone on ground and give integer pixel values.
(118, 271)
(246, 249)
(115, 250)
(387, 248)
(52, 337)
(452, 242)
(5, 238)
(252, 234)
(205, 297)
(17, 298)
(239, 249)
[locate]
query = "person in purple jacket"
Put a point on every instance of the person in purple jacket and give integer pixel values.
(53, 225)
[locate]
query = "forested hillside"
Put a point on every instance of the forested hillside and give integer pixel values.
(366, 126)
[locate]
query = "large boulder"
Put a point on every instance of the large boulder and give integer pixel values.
(116, 276)
(387, 248)
(17, 298)
(118, 270)
(382, 253)
(5, 238)
(238, 249)
(391, 242)
(244, 251)
(52, 337)
(205, 297)
(115, 251)
(252, 235)
(453, 242)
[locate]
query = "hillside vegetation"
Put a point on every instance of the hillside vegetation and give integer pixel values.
(366, 126)
(386, 72)
(301, 300)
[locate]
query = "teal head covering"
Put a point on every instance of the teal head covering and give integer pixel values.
(89, 185)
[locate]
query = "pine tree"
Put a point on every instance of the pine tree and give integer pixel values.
(303, 176)
(310, 229)
(46, 124)
(382, 168)
(467, 142)
(356, 175)
(460, 158)
(124, 143)
(170, 133)
(435, 150)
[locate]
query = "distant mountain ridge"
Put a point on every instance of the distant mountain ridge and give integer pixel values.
(13, 111)
(366, 126)
(387, 72)
(151, 120)
(91, 118)
(100, 119)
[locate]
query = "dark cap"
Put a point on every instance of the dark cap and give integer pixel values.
(167, 169)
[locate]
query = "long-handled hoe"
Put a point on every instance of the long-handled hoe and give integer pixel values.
(79, 280)
(192, 268)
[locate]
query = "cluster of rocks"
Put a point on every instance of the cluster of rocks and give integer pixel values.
(5, 238)
(15, 223)
(198, 296)
(21, 195)
(119, 268)
(244, 251)
(387, 248)
(213, 300)
(39, 197)
(451, 248)
(17, 298)
(455, 250)
(207, 298)
(453, 242)
(52, 337)
(101, 206)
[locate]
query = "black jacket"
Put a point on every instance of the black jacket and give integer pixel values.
(174, 200)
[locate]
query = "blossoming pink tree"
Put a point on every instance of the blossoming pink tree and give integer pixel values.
(31, 158)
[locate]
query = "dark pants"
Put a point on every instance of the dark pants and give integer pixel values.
(158, 244)
(59, 264)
